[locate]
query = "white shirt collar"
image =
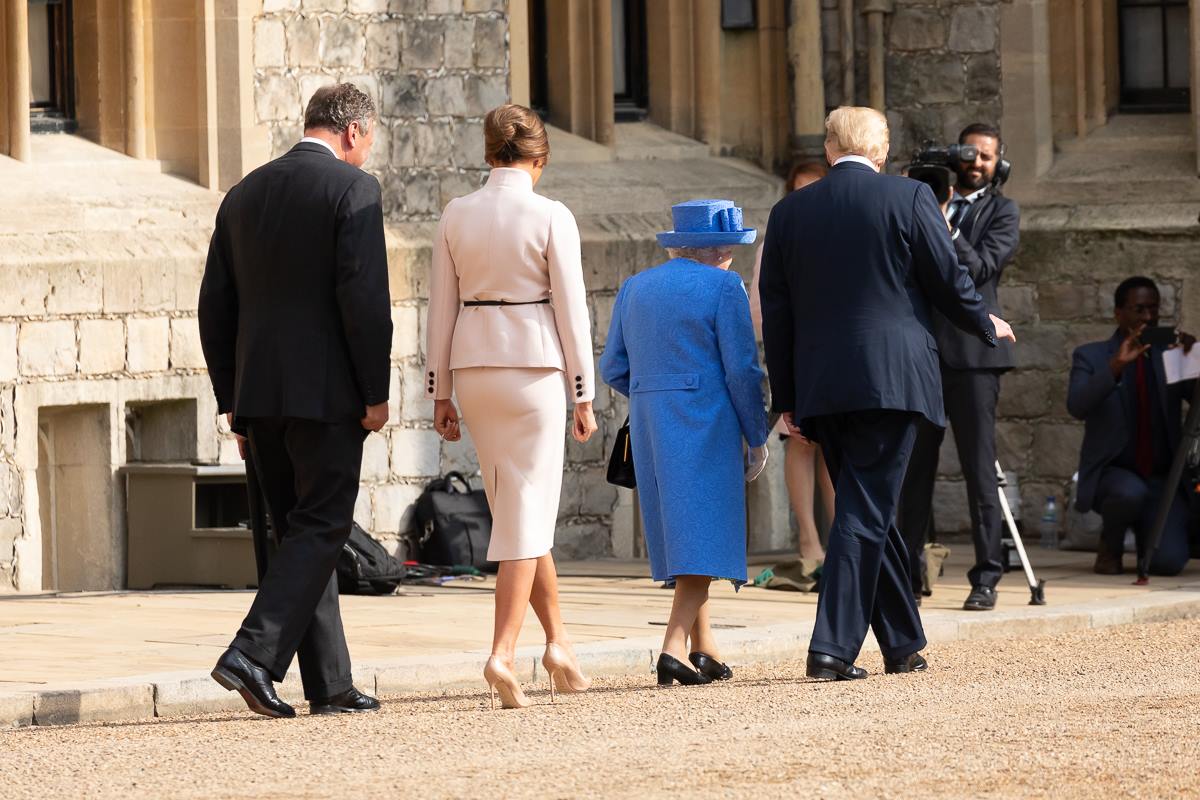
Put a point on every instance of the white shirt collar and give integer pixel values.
(857, 160)
(973, 196)
(322, 142)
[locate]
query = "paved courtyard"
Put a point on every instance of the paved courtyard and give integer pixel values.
(1091, 714)
(122, 656)
(58, 641)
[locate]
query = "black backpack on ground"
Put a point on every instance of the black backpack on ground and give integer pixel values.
(365, 567)
(454, 524)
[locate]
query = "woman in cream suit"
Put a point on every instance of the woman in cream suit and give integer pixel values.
(508, 321)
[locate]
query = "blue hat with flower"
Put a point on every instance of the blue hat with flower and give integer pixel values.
(706, 223)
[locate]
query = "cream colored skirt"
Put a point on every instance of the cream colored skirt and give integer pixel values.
(517, 419)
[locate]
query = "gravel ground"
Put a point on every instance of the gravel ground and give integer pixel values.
(1097, 714)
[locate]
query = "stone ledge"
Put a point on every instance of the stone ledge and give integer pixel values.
(187, 693)
(101, 701)
(16, 709)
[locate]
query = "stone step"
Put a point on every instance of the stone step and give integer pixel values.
(641, 141)
(652, 186)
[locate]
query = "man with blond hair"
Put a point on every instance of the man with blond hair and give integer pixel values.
(851, 268)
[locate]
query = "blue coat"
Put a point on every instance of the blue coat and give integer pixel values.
(681, 348)
(850, 267)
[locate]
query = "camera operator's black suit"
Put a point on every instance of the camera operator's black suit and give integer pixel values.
(295, 322)
(986, 241)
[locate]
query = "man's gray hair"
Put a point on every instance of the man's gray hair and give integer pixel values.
(335, 107)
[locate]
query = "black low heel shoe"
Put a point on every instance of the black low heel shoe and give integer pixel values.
(671, 669)
(828, 668)
(707, 665)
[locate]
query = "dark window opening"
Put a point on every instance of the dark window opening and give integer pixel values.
(51, 66)
(631, 82)
(1155, 61)
(539, 59)
(221, 505)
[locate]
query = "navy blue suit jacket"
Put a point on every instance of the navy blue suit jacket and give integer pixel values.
(1095, 397)
(850, 267)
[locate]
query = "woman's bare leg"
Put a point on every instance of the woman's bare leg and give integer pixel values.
(691, 592)
(544, 599)
(799, 465)
(514, 582)
(825, 485)
(701, 637)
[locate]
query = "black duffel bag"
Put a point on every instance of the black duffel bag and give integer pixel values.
(365, 567)
(454, 524)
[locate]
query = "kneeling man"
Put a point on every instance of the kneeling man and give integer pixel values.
(1132, 430)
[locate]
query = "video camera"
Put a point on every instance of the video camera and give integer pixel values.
(938, 166)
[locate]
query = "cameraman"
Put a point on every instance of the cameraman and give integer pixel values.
(983, 225)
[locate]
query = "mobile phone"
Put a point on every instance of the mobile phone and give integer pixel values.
(1159, 336)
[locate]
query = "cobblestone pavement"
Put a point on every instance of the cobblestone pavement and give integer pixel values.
(1093, 714)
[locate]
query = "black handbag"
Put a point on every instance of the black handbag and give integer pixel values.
(454, 524)
(365, 567)
(620, 461)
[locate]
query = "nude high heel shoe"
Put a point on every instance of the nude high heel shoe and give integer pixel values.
(565, 675)
(500, 679)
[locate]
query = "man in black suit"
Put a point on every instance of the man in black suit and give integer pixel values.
(295, 321)
(850, 267)
(1131, 431)
(984, 231)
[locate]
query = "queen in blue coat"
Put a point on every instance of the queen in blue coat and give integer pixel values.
(681, 347)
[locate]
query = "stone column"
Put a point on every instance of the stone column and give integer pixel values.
(876, 51)
(808, 83)
(1080, 70)
(135, 78)
(602, 45)
(846, 30)
(16, 28)
(1025, 84)
(1098, 106)
(1195, 56)
(706, 67)
(518, 51)
(231, 142)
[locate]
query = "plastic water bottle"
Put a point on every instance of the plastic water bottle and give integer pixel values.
(1048, 528)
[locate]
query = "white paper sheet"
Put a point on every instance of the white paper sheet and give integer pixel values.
(1180, 367)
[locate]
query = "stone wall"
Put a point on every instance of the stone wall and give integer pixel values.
(101, 321)
(1058, 293)
(942, 68)
(434, 68)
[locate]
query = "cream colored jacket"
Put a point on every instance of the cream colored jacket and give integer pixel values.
(503, 242)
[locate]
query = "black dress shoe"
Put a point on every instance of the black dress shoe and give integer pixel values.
(671, 669)
(981, 598)
(236, 672)
(910, 663)
(707, 665)
(351, 701)
(829, 668)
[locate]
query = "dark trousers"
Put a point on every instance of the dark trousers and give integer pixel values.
(970, 397)
(308, 472)
(864, 582)
(1127, 500)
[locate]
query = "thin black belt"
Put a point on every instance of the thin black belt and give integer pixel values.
(470, 303)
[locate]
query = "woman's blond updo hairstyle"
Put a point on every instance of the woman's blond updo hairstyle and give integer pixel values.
(513, 133)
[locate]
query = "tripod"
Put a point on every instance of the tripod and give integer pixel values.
(1188, 453)
(1037, 588)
